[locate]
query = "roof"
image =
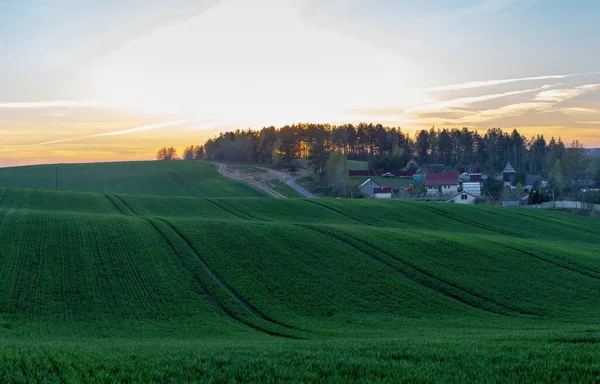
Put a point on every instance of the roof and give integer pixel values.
(434, 179)
(531, 179)
(382, 190)
(460, 193)
(367, 182)
(509, 169)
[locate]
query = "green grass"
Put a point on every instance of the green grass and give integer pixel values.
(358, 165)
(284, 189)
(115, 287)
(162, 178)
(245, 168)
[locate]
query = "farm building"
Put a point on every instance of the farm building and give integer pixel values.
(531, 181)
(471, 172)
(382, 193)
(442, 183)
(462, 198)
(508, 174)
(368, 187)
(472, 188)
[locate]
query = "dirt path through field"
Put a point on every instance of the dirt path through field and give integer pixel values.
(261, 180)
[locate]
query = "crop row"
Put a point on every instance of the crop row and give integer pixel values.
(84, 268)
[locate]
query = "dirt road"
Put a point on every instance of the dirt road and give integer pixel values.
(260, 180)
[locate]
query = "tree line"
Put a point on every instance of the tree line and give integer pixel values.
(391, 148)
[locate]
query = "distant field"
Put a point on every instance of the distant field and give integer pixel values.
(162, 178)
(116, 287)
(358, 165)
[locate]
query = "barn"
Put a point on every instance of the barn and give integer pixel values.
(368, 187)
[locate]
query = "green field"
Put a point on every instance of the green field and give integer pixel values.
(163, 178)
(358, 165)
(116, 287)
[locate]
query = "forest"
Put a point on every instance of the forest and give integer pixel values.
(391, 148)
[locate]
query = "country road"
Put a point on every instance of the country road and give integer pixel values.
(256, 183)
(291, 181)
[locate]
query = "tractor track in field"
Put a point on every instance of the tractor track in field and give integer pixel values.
(467, 222)
(211, 296)
(10, 206)
(503, 309)
(234, 211)
(3, 196)
(181, 183)
(576, 228)
(221, 283)
(340, 213)
(562, 264)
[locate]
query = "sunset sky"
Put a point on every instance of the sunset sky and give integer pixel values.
(103, 80)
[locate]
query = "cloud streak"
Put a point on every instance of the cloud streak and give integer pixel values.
(51, 104)
(123, 132)
(487, 83)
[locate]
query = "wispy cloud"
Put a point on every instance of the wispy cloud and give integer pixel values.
(543, 102)
(465, 101)
(124, 131)
(487, 83)
(51, 104)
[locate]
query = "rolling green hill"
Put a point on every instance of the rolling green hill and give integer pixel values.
(100, 287)
(162, 178)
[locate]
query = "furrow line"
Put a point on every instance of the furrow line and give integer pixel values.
(312, 201)
(211, 296)
(117, 207)
(231, 210)
(467, 222)
(3, 196)
(10, 206)
(126, 204)
(559, 264)
(226, 287)
(496, 308)
(223, 285)
(179, 181)
(562, 224)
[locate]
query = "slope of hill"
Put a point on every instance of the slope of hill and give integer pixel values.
(149, 288)
(162, 178)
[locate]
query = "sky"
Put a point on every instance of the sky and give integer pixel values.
(105, 80)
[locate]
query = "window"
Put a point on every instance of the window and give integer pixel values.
(463, 196)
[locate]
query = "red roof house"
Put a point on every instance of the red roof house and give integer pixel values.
(435, 179)
(442, 183)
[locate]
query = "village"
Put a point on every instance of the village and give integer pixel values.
(467, 185)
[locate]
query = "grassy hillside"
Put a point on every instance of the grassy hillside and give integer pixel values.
(162, 178)
(149, 288)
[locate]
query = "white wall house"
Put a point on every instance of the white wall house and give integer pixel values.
(442, 183)
(462, 198)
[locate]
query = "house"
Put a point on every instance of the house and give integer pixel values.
(471, 172)
(472, 188)
(442, 183)
(531, 181)
(508, 174)
(367, 188)
(382, 193)
(462, 198)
